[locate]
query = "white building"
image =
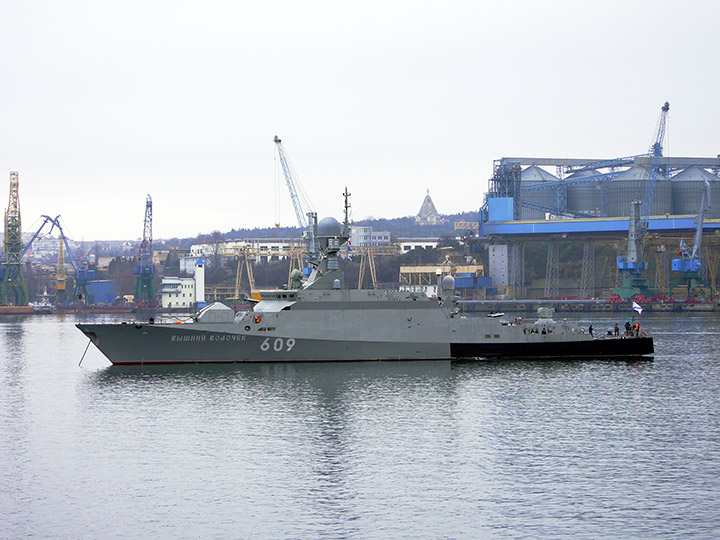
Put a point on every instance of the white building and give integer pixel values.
(262, 249)
(408, 244)
(177, 292)
(361, 236)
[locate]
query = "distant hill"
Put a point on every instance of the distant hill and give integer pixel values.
(264, 232)
(402, 227)
(406, 227)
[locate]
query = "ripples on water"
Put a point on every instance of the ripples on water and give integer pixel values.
(517, 449)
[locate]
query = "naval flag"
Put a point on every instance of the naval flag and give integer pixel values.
(637, 307)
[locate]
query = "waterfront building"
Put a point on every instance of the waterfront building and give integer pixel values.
(184, 292)
(363, 236)
(408, 244)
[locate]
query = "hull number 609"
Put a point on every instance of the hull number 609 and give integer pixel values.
(278, 344)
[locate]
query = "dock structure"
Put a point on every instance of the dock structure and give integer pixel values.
(587, 202)
(590, 235)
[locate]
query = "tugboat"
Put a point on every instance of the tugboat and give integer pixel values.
(43, 306)
(320, 320)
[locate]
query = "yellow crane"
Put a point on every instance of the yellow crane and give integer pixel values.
(60, 274)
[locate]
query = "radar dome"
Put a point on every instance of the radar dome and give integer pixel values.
(448, 283)
(329, 226)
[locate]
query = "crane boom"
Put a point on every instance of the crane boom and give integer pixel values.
(290, 181)
(82, 267)
(655, 153)
(704, 205)
(46, 220)
(632, 264)
(306, 216)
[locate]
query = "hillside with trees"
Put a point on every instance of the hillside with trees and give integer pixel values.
(403, 227)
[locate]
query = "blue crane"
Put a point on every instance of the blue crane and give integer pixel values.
(81, 266)
(632, 264)
(46, 219)
(306, 217)
(656, 152)
(83, 272)
(689, 262)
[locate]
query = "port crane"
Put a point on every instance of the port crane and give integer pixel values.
(11, 270)
(145, 270)
(60, 289)
(82, 267)
(656, 152)
(631, 266)
(83, 271)
(306, 216)
(11, 274)
(688, 264)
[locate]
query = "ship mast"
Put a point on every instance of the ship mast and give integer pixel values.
(346, 225)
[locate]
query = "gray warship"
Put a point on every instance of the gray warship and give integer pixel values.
(320, 320)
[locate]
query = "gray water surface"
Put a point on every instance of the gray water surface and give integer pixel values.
(521, 449)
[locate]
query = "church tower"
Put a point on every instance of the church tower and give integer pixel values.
(427, 215)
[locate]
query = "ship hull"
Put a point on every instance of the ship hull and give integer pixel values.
(132, 344)
(154, 344)
(598, 348)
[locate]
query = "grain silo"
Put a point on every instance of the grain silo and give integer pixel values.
(688, 187)
(630, 185)
(586, 198)
(533, 176)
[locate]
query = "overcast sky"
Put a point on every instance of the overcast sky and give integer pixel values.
(104, 102)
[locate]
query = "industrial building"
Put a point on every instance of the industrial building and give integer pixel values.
(590, 201)
(184, 292)
(363, 236)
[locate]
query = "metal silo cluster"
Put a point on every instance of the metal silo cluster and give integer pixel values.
(588, 198)
(687, 188)
(533, 176)
(630, 185)
(592, 193)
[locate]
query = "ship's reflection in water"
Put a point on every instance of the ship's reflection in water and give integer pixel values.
(347, 444)
(309, 430)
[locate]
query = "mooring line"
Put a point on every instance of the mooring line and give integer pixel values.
(83, 356)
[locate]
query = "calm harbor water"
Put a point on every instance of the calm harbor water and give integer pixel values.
(522, 449)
